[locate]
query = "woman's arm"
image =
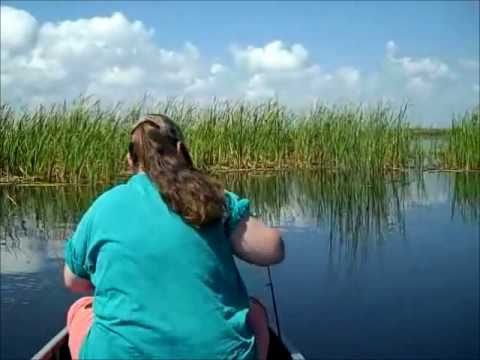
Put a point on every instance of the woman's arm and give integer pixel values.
(257, 243)
(74, 282)
(76, 273)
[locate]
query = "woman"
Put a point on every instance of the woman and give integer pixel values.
(157, 252)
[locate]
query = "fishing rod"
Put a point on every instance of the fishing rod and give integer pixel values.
(275, 311)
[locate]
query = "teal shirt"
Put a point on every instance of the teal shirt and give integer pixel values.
(163, 289)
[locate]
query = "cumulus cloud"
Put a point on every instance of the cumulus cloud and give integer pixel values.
(111, 57)
(128, 76)
(118, 59)
(18, 29)
(424, 67)
(274, 56)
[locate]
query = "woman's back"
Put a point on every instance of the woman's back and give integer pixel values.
(159, 252)
(163, 289)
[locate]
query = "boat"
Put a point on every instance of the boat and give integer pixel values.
(57, 348)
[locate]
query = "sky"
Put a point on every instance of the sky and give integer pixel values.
(425, 53)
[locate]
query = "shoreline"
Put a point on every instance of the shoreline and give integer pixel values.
(37, 181)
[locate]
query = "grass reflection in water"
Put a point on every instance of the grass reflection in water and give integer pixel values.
(356, 212)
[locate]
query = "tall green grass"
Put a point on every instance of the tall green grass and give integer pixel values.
(462, 150)
(78, 142)
(85, 141)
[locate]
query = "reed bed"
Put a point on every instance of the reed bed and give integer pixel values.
(80, 142)
(85, 141)
(462, 150)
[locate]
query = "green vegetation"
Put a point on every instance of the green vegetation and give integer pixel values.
(86, 142)
(270, 136)
(429, 132)
(462, 149)
(63, 143)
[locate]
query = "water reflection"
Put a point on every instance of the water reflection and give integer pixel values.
(357, 215)
(34, 222)
(466, 196)
(332, 223)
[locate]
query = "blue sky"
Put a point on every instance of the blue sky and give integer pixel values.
(343, 41)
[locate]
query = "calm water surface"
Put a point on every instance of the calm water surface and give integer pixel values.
(388, 268)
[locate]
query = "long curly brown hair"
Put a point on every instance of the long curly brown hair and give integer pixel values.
(157, 147)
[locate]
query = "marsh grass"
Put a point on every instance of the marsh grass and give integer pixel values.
(462, 150)
(79, 142)
(85, 141)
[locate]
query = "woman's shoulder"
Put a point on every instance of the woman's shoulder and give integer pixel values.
(112, 197)
(125, 194)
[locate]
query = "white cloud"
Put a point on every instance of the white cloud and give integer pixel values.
(425, 67)
(118, 59)
(470, 64)
(418, 86)
(200, 86)
(111, 57)
(122, 76)
(18, 29)
(274, 56)
(349, 75)
(258, 88)
(217, 68)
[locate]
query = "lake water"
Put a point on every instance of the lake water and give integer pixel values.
(379, 269)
